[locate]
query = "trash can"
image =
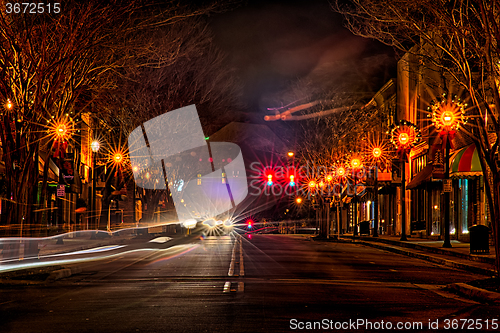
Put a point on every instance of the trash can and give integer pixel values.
(479, 239)
(364, 228)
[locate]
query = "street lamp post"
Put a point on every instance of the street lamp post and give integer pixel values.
(355, 164)
(404, 136)
(95, 148)
(61, 132)
(447, 116)
(340, 176)
(377, 153)
(117, 160)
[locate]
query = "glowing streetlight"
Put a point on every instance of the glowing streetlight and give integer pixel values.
(377, 152)
(291, 154)
(298, 200)
(329, 178)
(118, 158)
(341, 171)
(312, 184)
(61, 131)
(355, 163)
(95, 146)
(9, 105)
(403, 139)
(448, 114)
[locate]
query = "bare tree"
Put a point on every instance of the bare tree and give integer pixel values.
(459, 40)
(197, 75)
(57, 66)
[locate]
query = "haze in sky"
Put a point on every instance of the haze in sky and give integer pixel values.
(274, 43)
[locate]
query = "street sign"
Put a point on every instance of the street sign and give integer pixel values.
(61, 190)
(447, 185)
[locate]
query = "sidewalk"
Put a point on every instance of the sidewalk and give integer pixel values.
(458, 256)
(70, 242)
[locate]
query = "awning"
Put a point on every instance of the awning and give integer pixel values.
(420, 178)
(465, 163)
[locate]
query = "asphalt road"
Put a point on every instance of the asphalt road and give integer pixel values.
(266, 283)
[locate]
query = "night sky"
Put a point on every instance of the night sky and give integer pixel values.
(273, 43)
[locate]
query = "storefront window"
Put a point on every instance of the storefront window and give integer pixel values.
(464, 198)
(436, 213)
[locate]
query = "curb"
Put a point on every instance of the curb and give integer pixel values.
(63, 273)
(431, 249)
(440, 261)
(482, 295)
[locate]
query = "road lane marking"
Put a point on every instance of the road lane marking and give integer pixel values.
(233, 260)
(227, 287)
(241, 285)
(242, 268)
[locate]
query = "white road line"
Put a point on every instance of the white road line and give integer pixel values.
(241, 285)
(233, 259)
(242, 268)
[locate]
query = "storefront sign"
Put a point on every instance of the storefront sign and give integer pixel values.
(437, 163)
(447, 185)
(61, 190)
(68, 169)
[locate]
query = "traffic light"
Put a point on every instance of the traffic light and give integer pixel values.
(269, 180)
(292, 180)
(249, 224)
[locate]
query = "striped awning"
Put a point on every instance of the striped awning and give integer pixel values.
(465, 163)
